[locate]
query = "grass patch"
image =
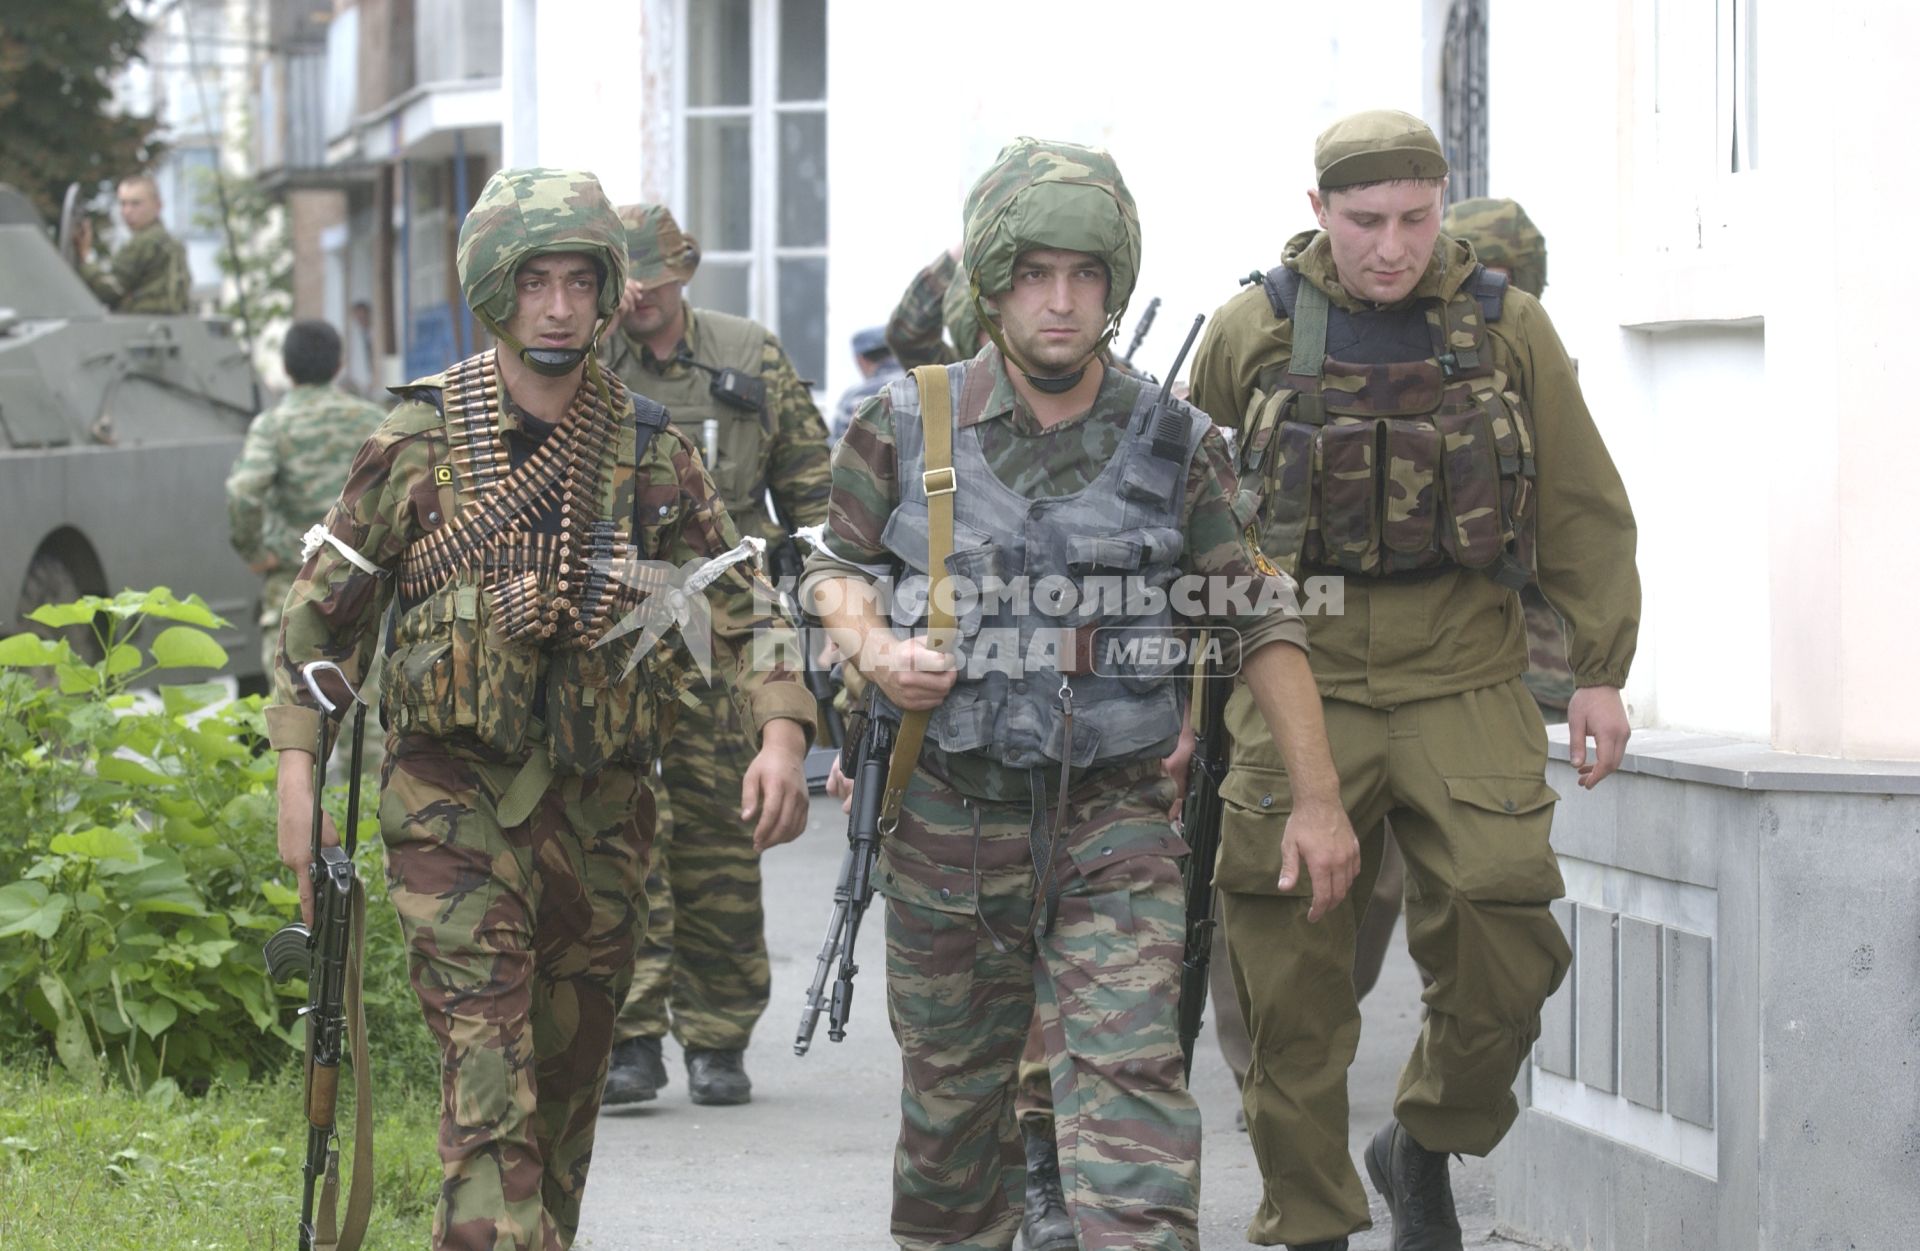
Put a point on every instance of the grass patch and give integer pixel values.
(100, 1168)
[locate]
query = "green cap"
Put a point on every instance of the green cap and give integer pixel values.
(1381, 145)
(524, 213)
(657, 249)
(1046, 194)
(1503, 236)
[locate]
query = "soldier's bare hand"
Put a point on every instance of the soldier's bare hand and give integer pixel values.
(914, 676)
(1321, 838)
(1175, 767)
(773, 795)
(1597, 711)
(295, 787)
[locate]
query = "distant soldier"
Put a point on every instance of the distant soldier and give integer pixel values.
(149, 272)
(291, 468)
(877, 366)
(702, 969)
(1507, 242)
(516, 509)
(933, 302)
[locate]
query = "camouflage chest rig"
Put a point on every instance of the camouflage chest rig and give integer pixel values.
(498, 619)
(1389, 444)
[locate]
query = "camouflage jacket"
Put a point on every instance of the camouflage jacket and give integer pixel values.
(147, 275)
(1419, 639)
(915, 331)
(792, 459)
(292, 467)
(1040, 461)
(334, 608)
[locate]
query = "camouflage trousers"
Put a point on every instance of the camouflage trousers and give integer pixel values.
(963, 991)
(702, 967)
(520, 942)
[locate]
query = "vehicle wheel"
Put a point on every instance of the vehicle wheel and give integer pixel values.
(50, 581)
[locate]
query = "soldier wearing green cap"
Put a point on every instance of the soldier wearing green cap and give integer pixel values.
(702, 970)
(1032, 866)
(1410, 423)
(519, 512)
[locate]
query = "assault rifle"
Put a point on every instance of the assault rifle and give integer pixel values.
(1200, 820)
(871, 750)
(328, 955)
(785, 563)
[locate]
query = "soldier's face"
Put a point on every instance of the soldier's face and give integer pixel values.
(1382, 235)
(1053, 314)
(651, 307)
(139, 206)
(556, 300)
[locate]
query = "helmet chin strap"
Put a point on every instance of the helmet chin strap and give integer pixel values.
(549, 362)
(1046, 384)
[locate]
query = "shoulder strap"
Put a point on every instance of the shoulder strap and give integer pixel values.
(1490, 289)
(1310, 311)
(649, 419)
(940, 482)
(1280, 284)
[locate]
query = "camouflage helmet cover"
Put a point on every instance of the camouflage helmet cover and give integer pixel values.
(1048, 194)
(1504, 236)
(963, 326)
(524, 213)
(657, 249)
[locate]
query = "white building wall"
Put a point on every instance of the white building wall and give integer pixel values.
(1711, 312)
(1210, 110)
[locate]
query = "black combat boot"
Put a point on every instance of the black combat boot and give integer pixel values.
(1413, 1181)
(635, 1074)
(1047, 1225)
(1330, 1244)
(717, 1076)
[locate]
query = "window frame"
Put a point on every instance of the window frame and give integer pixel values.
(764, 110)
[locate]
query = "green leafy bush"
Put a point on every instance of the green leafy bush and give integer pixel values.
(137, 852)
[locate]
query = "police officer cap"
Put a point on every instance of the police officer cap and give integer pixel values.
(869, 342)
(1380, 145)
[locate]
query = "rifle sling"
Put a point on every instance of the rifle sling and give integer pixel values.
(939, 482)
(360, 1188)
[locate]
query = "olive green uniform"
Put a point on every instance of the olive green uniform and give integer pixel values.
(1429, 723)
(704, 957)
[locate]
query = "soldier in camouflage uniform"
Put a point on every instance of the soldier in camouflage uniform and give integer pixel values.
(517, 508)
(149, 272)
(1379, 332)
(1024, 871)
(934, 302)
(1506, 241)
(291, 468)
(703, 967)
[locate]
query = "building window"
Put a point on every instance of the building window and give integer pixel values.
(753, 185)
(1463, 99)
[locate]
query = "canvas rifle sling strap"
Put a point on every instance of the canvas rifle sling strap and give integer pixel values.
(939, 482)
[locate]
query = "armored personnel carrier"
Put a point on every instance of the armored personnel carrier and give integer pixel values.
(116, 435)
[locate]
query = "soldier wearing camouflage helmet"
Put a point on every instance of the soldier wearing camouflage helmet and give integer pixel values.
(933, 302)
(515, 510)
(1032, 859)
(1506, 241)
(1410, 424)
(703, 971)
